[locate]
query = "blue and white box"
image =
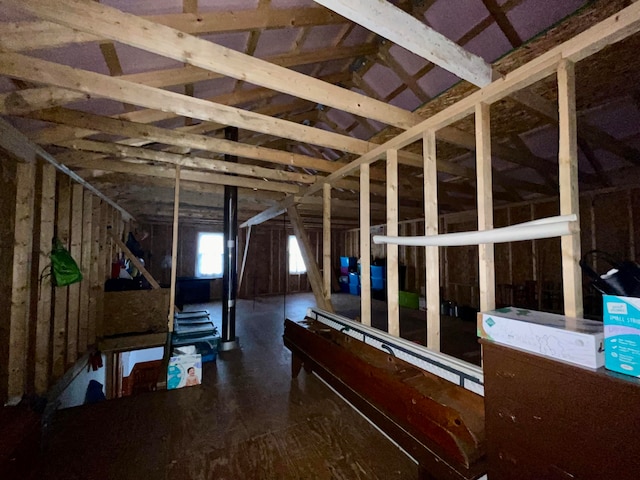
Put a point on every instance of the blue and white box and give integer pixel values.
(184, 371)
(622, 334)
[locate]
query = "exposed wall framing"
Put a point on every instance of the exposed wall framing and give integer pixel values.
(48, 328)
(523, 279)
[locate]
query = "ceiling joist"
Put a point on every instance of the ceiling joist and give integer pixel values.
(607, 32)
(19, 66)
(23, 36)
(113, 24)
(80, 125)
(188, 161)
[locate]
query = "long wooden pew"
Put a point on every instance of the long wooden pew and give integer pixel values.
(438, 423)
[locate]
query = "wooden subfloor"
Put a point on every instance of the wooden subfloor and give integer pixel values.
(248, 420)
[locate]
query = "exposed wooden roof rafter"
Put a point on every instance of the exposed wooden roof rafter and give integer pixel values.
(23, 36)
(126, 28)
(403, 29)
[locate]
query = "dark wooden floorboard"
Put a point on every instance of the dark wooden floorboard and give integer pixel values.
(248, 420)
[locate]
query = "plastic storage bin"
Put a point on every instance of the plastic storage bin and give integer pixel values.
(377, 272)
(409, 300)
(377, 283)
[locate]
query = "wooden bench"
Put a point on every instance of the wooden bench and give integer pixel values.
(438, 423)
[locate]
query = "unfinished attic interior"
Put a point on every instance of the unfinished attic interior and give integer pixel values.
(311, 203)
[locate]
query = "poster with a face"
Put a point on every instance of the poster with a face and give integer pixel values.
(184, 371)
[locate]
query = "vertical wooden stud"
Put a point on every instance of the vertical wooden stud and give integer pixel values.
(486, 270)
(431, 254)
(326, 240)
(95, 281)
(61, 294)
(45, 292)
(85, 266)
(244, 257)
(393, 295)
(106, 219)
(174, 249)
(510, 251)
(73, 314)
(110, 253)
(365, 245)
(21, 281)
(104, 266)
(113, 223)
(569, 192)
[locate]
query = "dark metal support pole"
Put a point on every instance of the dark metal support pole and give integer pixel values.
(229, 341)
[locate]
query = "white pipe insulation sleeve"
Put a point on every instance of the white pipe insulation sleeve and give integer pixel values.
(547, 220)
(543, 228)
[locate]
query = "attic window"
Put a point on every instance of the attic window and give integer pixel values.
(209, 254)
(296, 263)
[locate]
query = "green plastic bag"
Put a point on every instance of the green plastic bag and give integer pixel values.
(64, 268)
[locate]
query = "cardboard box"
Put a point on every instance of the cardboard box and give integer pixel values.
(622, 334)
(572, 340)
(184, 371)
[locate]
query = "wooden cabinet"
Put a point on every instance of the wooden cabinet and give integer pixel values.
(549, 420)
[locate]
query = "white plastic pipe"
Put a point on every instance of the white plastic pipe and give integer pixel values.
(542, 228)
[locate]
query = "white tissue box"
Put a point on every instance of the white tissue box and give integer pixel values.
(572, 340)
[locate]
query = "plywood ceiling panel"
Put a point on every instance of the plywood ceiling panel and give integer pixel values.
(406, 100)
(437, 81)
(276, 41)
(490, 44)
(146, 7)
(85, 56)
(382, 80)
(454, 19)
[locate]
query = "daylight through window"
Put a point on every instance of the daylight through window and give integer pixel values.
(210, 253)
(296, 263)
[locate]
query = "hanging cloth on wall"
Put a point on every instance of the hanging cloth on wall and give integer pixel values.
(64, 268)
